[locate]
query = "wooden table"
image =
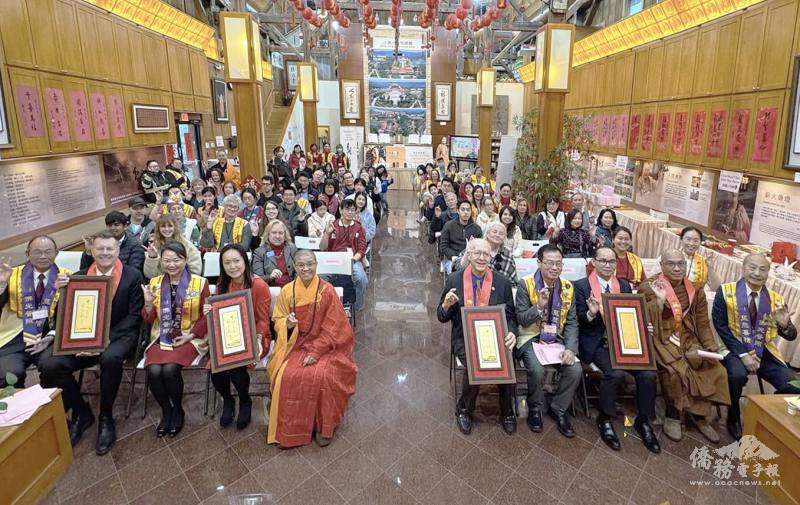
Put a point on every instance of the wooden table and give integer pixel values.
(766, 418)
(34, 455)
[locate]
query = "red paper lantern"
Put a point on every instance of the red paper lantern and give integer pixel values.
(494, 13)
(486, 20)
(502, 4)
(461, 13)
(428, 12)
(308, 13)
(298, 4)
(328, 4)
(345, 22)
(431, 3)
(395, 2)
(393, 9)
(467, 4)
(336, 10)
(367, 11)
(456, 22)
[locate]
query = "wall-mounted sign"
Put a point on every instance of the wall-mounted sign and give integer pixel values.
(150, 118)
(276, 59)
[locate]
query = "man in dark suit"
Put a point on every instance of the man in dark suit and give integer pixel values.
(126, 321)
(593, 348)
(483, 288)
(131, 253)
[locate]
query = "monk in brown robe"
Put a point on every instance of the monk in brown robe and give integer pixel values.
(691, 384)
(311, 371)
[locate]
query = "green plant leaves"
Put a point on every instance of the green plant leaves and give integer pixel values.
(11, 379)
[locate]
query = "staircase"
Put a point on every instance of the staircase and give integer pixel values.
(276, 126)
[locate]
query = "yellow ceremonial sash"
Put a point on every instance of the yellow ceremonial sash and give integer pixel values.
(776, 301)
(15, 291)
(636, 267)
(238, 229)
(188, 210)
(192, 310)
(699, 275)
(567, 294)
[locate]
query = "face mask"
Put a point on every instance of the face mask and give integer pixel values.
(135, 228)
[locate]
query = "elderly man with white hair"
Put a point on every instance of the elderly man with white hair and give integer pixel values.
(501, 261)
(227, 228)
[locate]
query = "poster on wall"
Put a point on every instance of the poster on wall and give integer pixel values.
(374, 155)
(123, 171)
(38, 194)
(443, 92)
(649, 183)
(418, 155)
(624, 171)
(351, 99)
(291, 75)
(500, 114)
(220, 95)
(733, 211)
(776, 214)
(680, 192)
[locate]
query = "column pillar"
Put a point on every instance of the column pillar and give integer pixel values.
(249, 129)
(310, 123)
(485, 136)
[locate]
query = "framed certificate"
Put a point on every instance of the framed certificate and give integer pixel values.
(232, 336)
(489, 361)
(630, 344)
(83, 318)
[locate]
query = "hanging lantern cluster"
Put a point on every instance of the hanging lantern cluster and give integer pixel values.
(427, 17)
(338, 14)
(455, 20)
(395, 13)
(308, 13)
(370, 22)
(491, 14)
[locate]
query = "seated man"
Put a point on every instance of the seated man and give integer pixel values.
(311, 371)
(456, 233)
(126, 320)
(749, 318)
(227, 228)
(477, 286)
(291, 213)
(546, 315)
(139, 223)
(28, 299)
(593, 346)
(679, 313)
(440, 217)
(347, 234)
(131, 252)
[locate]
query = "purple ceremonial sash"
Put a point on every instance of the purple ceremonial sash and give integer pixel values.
(753, 340)
(170, 320)
(549, 337)
(32, 328)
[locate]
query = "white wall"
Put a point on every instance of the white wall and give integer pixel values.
(328, 109)
(464, 92)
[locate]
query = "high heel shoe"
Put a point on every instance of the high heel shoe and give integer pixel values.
(164, 424)
(176, 424)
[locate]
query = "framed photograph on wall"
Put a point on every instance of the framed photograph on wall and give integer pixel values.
(443, 92)
(83, 319)
(220, 95)
(291, 75)
(489, 361)
(351, 99)
(630, 345)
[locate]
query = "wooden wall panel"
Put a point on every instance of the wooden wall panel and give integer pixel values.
(351, 67)
(37, 143)
(17, 39)
(45, 38)
(69, 46)
(443, 69)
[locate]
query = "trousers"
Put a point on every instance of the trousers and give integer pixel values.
(469, 395)
(570, 378)
(770, 370)
(645, 387)
(16, 360)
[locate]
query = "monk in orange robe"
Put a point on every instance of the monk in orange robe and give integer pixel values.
(311, 371)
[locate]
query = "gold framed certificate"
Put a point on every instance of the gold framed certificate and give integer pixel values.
(232, 331)
(83, 318)
(630, 345)
(489, 361)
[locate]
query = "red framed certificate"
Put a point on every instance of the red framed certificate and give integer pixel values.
(630, 345)
(489, 361)
(83, 319)
(232, 335)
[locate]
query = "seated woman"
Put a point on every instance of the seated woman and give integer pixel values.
(311, 371)
(488, 215)
(549, 220)
(173, 341)
(477, 201)
(513, 242)
(185, 225)
(229, 188)
(272, 261)
(209, 207)
(364, 216)
(605, 227)
(330, 195)
(319, 220)
(573, 240)
(251, 213)
(167, 230)
(525, 221)
(629, 265)
(195, 195)
(235, 275)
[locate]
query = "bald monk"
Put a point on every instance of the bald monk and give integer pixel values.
(679, 314)
(749, 318)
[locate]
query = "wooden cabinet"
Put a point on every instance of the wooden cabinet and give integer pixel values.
(123, 46)
(687, 64)
(45, 38)
(655, 71)
(765, 149)
(717, 117)
(180, 69)
(29, 107)
(138, 57)
(696, 130)
(672, 68)
(115, 92)
(97, 91)
(740, 130)
(751, 39)
(707, 42)
(17, 39)
(55, 113)
(725, 60)
(640, 68)
(158, 69)
(679, 131)
(78, 113)
(106, 50)
(90, 43)
(69, 44)
(623, 78)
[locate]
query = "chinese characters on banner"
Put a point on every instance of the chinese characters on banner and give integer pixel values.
(663, 131)
(604, 131)
(80, 116)
(117, 116)
(613, 134)
(764, 134)
(696, 133)
(30, 111)
(679, 135)
(633, 142)
(715, 131)
(647, 131)
(737, 140)
(100, 116)
(623, 130)
(57, 114)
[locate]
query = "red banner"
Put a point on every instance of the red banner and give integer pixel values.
(679, 135)
(57, 114)
(715, 132)
(633, 142)
(696, 132)
(765, 133)
(737, 139)
(647, 131)
(662, 134)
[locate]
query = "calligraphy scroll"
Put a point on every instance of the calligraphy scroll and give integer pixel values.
(613, 134)
(57, 114)
(715, 132)
(100, 116)
(737, 139)
(647, 131)
(30, 111)
(633, 141)
(696, 132)
(604, 130)
(679, 135)
(663, 131)
(80, 116)
(117, 116)
(764, 134)
(623, 130)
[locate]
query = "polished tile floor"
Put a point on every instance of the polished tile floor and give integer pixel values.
(398, 444)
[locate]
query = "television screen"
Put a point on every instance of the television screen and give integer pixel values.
(464, 147)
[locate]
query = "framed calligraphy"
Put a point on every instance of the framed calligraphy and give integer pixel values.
(647, 131)
(793, 142)
(5, 134)
(633, 141)
(57, 114)
(443, 91)
(737, 139)
(630, 344)
(232, 335)
(662, 133)
(100, 116)
(351, 99)
(489, 361)
(716, 130)
(30, 111)
(83, 319)
(764, 134)
(679, 132)
(696, 132)
(80, 116)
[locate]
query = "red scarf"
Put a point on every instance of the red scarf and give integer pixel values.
(116, 275)
(674, 303)
(597, 291)
(483, 294)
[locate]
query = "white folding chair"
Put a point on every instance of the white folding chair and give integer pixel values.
(71, 260)
(334, 263)
(574, 269)
(310, 243)
(652, 266)
(525, 267)
(211, 264)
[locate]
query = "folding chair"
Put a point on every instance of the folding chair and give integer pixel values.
(71, 260)
(574, 269)
(337, 263)
(310, 243)
(525, 267)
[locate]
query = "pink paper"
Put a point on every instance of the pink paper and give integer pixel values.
(117, 116)
(100, 116)
(30, 111)
(623, 130)
(715, 131)
(80, 116)
(548, 354)
(57, 114)
(764, 134)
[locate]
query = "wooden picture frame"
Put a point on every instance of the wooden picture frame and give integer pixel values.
(630, 345)
(219, 89)
(792, 155)
(443, 101)
(351, 99)
(489, 361)
(83, 318)
(232, 338)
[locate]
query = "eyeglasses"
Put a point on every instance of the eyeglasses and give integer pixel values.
(481, 254)
(605, 262)
(37, 252)
(303, 266)
(553, 264)
(672, 265)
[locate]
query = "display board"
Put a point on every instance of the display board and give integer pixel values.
(418, 155)
(734, 210)
(352, 139)
(681, 192)
(776, 214)
(35, 195)
(123, 171)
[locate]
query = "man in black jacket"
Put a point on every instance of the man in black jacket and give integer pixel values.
(153, 181)
(593, 348)
(456, 233)
(131, 253)
(440, 217)
(126, 321)
(485, 288)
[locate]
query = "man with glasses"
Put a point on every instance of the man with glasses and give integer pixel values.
(267, 193)
(593, 346)
(28, 298)
(478, 286)
(291, 213)
(691, 384)
(228, 228)
(749, 318)
(546, 315)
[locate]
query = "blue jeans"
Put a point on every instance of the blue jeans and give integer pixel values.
(360, 281)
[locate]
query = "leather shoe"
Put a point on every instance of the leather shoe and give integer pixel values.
(563, 424)
(510, 424)
(163, 425)
(176, 425)
(735, 429)
(608, 434)
(79, 424)
(648, 435)
(106, 435)
(464, 422)
(535, 420)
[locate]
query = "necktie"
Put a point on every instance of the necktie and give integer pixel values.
(753, 310)
(608, 288)
(39, 289)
